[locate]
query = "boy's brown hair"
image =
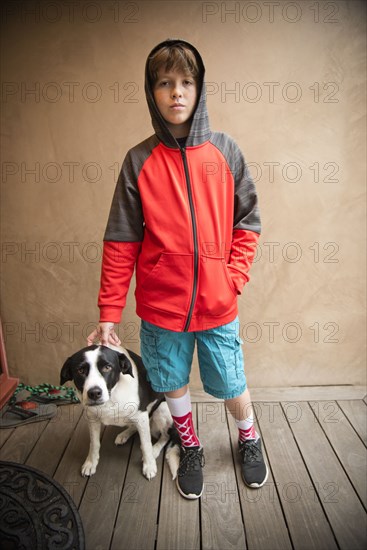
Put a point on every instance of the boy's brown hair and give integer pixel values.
(177, 57)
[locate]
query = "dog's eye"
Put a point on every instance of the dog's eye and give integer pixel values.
(106, 368)
(81, 370)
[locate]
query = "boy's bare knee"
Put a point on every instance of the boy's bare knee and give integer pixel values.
(177, 393)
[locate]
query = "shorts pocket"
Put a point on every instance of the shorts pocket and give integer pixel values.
(149, 354)
(239, 360)
(221, 361)
(234, 360)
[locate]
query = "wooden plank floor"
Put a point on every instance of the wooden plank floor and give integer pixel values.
(315, 496)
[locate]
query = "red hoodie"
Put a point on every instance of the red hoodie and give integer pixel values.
(187, 218)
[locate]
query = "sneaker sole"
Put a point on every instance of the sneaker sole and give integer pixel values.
(190, 496)
(257, 485)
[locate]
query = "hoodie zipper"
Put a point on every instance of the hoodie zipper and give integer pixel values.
(195, 235)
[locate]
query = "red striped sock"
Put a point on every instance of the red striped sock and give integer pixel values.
(246, 429)
(180, 409)
(186, 430)
(247, 434)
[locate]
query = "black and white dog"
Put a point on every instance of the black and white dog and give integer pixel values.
(112, 385)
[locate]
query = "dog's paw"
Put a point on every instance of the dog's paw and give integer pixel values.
(124, 436)
(121, 439)
(89, 468)
(150, 469)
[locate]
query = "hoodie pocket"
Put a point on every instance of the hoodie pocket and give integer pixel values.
(216, 291)
(168, 285)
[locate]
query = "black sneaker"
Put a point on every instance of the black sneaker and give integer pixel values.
(190, 475)
(253, 467)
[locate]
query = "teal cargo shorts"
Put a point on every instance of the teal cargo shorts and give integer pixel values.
(167, 356)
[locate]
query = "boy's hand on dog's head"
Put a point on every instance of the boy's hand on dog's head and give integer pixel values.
(105, 333)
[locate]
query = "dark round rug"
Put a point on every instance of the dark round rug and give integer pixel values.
(36, 512)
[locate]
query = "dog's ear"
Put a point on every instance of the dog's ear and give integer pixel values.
(66, 374)
(125, 365)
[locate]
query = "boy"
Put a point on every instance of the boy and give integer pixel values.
(185, 213)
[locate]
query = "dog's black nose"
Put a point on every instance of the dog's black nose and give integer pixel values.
(95, 393)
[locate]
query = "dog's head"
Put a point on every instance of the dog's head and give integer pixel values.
(95, 370)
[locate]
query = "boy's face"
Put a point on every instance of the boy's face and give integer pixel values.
(175, 95)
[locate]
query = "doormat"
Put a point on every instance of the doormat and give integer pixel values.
(36, 512)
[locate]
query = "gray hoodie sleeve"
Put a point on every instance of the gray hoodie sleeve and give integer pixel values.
(246, 211)
(246, 216)
(125, 221)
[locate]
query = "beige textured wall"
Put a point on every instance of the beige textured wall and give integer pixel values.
(302, 314)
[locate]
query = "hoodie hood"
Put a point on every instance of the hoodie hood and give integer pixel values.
(199, 130)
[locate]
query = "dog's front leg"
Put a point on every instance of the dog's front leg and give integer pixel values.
(149, 463)
(90, 465)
